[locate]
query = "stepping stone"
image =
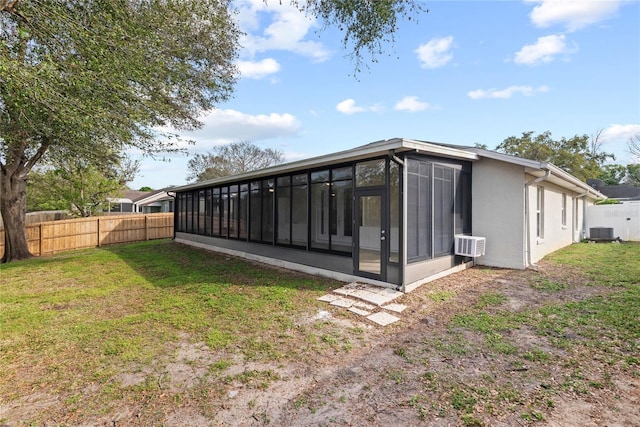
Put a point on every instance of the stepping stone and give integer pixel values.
(328, 298)
(342, 302)
(359, 311)
(398, 308)
(382, 318)
(364, 305)
(373, 294)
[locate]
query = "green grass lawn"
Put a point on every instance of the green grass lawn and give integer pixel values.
(80, 317)
(74, 325)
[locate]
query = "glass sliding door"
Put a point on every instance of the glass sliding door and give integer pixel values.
(371, 234)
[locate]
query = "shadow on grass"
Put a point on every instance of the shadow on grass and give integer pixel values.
(169, 264)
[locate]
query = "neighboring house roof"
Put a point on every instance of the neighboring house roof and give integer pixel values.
(154, 196)
(399, 145)
(620, 192)
(142, 197)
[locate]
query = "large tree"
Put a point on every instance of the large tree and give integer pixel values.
(232, 159)
(88, 77)
(77, 186)
(578, 155)
(612, 174)
(634, 145)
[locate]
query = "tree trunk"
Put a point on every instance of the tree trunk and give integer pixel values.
(13, 208)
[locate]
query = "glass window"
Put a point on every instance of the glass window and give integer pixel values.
(341, 221)
(207, 216)
(418, 210)
(243, 209)
(201, 212)
(442, 210)
(340, 174)
(254, 212)
(299, 179)
(462, 216)
(189, 211)
(234, 199)
(540, 212)
(284, 211)
(268, 196)
(320, 189)
(216, 208)
(299, 211)
(564, 209)
(341, 203)
(224, 215)
(394, 212)
(320, 176)
(370, 173)
(182, 209)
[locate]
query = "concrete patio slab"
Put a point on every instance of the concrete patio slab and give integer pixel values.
(359, 311)
(398, 308)
(369, 293)
(342, 302)
(328, 298)
(383, 319)
(364, 305)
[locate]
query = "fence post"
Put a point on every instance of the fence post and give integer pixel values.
(40, 239)
(146, 228)
(98, 231)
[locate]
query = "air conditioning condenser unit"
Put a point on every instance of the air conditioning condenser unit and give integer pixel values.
(470, 246)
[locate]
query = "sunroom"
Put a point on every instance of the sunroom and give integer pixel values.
(383, 213)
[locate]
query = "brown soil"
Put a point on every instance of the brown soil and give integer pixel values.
(405, 374)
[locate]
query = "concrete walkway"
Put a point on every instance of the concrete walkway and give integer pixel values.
(372, 302)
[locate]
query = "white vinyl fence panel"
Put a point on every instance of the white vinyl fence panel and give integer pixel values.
(623, 218)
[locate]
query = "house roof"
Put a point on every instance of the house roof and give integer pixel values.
(142, 197)
(399, 145)
(377, 148)
(622, 192)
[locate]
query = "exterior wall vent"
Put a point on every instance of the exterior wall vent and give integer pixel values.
(470, 246)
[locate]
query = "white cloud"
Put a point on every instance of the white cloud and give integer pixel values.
(411, 103)
(506, 93)
(287, 30)
(435, 53)
(258, 69)
(348, 106)
(573, 14)
(544, 50)
(225, 126)
(619, 133)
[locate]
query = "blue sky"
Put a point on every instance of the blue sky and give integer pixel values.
(467, 72)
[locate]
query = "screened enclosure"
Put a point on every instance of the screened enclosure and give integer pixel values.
(369, 217)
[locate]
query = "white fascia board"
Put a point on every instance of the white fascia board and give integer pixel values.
(447, 151)
(374, 149)
(567, 177)
(534, 164)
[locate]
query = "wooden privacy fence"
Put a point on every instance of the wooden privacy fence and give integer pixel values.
(51, 237)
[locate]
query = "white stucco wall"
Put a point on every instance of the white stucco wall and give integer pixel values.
(498, 212)
(556, 235)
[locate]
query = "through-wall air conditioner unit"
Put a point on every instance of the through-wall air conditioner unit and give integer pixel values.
(470, 246)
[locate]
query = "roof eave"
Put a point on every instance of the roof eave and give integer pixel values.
(374, 149)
